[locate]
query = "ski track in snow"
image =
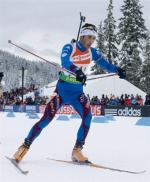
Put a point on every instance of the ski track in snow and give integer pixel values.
(118, 142)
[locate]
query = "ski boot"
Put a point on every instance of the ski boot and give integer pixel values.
(77, 155)
(22, 150)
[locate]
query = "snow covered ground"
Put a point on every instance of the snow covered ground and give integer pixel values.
(118, 142)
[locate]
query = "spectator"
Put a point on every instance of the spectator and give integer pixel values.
(104, 100)
(113, 101)
(122, 99)
(1, 102)
(133, 100)
(147, 100)
(139, 100)
(95, 101)
(127, 100)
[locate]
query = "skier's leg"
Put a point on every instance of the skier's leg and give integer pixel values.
(50, 111)
(82, 106)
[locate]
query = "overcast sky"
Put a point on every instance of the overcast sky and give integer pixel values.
(44, 26)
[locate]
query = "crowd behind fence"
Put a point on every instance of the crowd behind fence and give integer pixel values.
(14, 98)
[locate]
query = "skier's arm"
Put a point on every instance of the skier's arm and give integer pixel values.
(103, 62)
(65, 58)
(68, 64)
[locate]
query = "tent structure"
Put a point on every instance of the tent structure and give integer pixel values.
(112, 85)
(108, 85)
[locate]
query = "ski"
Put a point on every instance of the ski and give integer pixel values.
(96, 166)
(13, 161)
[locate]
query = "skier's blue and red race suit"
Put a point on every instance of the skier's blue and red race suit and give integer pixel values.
(69, 91)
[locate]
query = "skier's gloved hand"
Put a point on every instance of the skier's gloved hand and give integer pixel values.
(121, 73)
(80, 76)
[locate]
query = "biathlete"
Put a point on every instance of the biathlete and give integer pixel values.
(75, 58)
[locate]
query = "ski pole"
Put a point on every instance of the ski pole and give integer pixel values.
(114, 74)
(89, 79)
(82, 19)
(54, 64)
(51, 63)
(10, 42)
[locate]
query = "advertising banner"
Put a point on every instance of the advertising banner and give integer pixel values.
(132, 111)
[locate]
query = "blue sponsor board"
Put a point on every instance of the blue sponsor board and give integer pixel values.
(9, 108)
(32, 108)
(20, 108)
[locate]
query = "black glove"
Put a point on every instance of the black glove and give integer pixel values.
(121, 73)
(80, 76)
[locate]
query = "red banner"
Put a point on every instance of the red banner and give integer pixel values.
(66, 109)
